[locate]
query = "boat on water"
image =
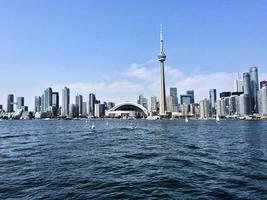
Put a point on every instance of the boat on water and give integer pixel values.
(217, 118)
(186, 119)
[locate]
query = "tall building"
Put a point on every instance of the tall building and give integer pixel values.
(244, 105)
(185, 99)
(20, 102)
(169, 101)
(254, 84)
(55, 103)
(73, 111)
(10, 103)
(192, 94)
(204, 109)
(142, 101)
(65, 101)
(153, 104)
(238, 84)
(247, 90)
(91, 105)
(79, 103)
(173, 94)
(47, 98)
(37, 104)
(213, 98)
(263, 100)
(162, 58)
(84, 109)
(42, 103)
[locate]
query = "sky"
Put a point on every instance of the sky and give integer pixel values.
(110, 47)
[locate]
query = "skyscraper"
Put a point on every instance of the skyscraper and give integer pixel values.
(247, 91)
(37, 104)
(192, 93)
(173, 94)
(213, 98)
(55, 103)
(204, 109)
(142, 101)
(185, 99)
(169, 101)
(10, 103)
(162, 58)
(153, 104)
(79, 103)
(263, 100)
(65, 101)
(254, 84)
(244, 105)
(91, 106)
(47, 98)
(20, 102)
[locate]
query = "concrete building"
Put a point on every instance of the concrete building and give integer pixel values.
(204, 109)
(65, 101)
(169, 101)
(162, 58)
(10, 103)
(153, 104)
(84, 109)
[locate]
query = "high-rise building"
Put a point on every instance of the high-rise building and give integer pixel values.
(73, 110)
(84, 109)
(225, 94)
(47, 98)
(97, 109)
(192, 93)
(233, 108)
(173, 94)
(263, 83)
(79, 103)
(162, 58)
(55, 103)
(142, 101)
(247, 92)
(238, 84)
(185, 99)
(263, 100)
(10, 103)
(169, 101)
(91, 106)
(244, 105)
(153, 104)
(204, 109)
(65, 101)
(42, 103)
(20, 102)
(254, 84)
(37, 104)
(213, 98)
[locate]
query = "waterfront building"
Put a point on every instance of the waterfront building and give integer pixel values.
(91, 105)
(244, 105)
(262, 84)
(192, 94)
(153, 104)
(84, 109)
(221, 107)
(65, 101)
(102, 109)
(20, 103)
(47, 98)
(225, 94)
(142, 101)
(79, 103)
(97, 109)
(162, 58)
(169, 101)
(73, 111)
(233, 105)
(263, 100)
(247, 90)
(55, 103)
(204, 109)
(173, 94)
(37, 104)
(110, 105)
(185, 99)
(10, 103)
(212, 98)
(254, 84)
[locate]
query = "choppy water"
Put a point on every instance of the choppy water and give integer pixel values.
(155, 159)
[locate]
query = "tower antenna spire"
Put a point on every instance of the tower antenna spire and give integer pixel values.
(161, 38)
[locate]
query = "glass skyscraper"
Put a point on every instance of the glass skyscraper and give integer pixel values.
(10, 103)
(37, 104)
(79, 103)
(20, 102)
(65, 101)
(91, 107)
(247, 91)
(254, 84)
(173, 94)
(213, 98)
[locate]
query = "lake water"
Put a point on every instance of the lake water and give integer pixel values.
(133, 159)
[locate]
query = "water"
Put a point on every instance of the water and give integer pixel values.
(133, 159)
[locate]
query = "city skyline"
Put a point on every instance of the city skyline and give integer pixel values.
(62, 52)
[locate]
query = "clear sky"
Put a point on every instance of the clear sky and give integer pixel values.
(110, 47)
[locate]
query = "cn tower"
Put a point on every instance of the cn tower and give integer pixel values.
(162, 58)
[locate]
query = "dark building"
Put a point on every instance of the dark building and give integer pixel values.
(192, 93)
(185, 99)
(225, 94)
(263, 84)
(92, 102)
(10, 103)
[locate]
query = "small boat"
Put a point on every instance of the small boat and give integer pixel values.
(93, 126)
(186, 119)
(217, 118)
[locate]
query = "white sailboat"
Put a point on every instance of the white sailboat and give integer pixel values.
(93, 126)
(217, 118)
(186, 119)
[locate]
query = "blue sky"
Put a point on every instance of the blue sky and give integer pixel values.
(109, 47)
